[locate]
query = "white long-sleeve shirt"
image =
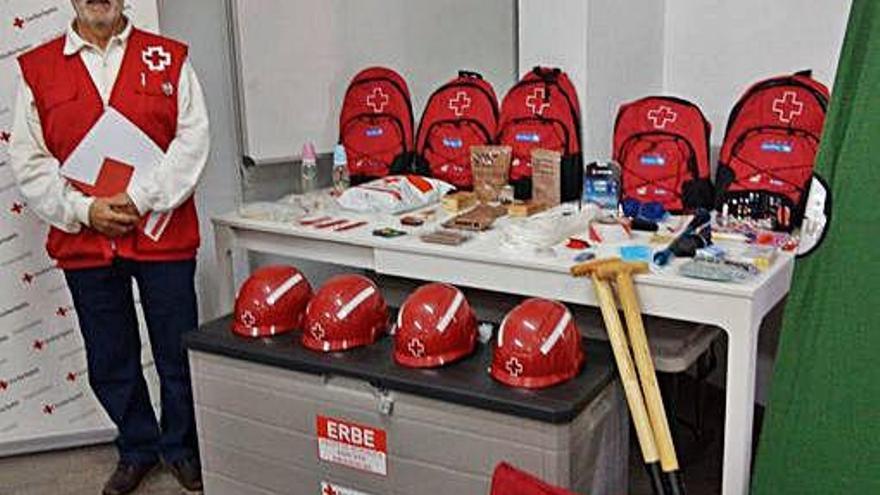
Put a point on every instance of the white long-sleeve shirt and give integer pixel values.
(37, 172)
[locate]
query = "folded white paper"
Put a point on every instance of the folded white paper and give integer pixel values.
(115, 137)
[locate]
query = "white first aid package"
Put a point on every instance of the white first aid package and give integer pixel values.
(394, 194)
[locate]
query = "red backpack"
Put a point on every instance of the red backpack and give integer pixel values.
(460, 114)
(376, 125)
(662, 146)
(772, 137)
(542, 111)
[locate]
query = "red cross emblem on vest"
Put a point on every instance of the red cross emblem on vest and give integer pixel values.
(378, 100)
(328, 490)
(788, 106)
(416, 348)
(536, 101)
(18, 23)
(460, 103)
(5, 136)
(156, 58)
(662, 116)
(514, 367)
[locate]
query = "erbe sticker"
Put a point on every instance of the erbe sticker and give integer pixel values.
(352, 445)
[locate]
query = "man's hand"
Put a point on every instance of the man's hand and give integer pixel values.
(104, 218)
(122, 203)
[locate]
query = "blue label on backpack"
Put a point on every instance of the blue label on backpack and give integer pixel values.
(452, 143)
(528, 137)
(777, 146)
(375, 131)
(652, 160)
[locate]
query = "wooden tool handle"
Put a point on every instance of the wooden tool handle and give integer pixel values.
(625, 367)
(588, 268)
(644, 363)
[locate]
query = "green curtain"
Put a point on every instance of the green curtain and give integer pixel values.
(822, 429)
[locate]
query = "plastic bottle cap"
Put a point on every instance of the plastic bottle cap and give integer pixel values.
(308, 152)
(339, 156)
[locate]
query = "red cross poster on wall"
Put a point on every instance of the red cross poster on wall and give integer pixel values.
(45, 399)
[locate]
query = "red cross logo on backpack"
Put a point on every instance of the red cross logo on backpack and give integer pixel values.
(537, 101)
(460, 103)
(788, 106)
(378, 100)
(662, 116)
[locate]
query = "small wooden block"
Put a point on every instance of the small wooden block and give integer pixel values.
(478, 219)
(459, 201)
(525, 208)
(444, 237)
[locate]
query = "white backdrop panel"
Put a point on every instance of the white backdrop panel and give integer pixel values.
(45, 400)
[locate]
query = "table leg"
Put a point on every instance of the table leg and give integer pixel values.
(739, 409)
(223, 244)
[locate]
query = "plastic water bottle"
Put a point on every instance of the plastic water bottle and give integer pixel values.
(340, 169)
(309, 168)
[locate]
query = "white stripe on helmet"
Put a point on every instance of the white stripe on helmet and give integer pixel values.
(355, 302)
(283, 289)
(501, 331)
(400, 316)
(548, 344)
(450, 311)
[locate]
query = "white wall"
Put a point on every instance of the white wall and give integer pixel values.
(202, 25)
(716, 48)
(554, 36)
(611, 49)
(624, 62)
(707, 51)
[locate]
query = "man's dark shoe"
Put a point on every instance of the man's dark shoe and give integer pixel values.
(188, 473)
(127, 477)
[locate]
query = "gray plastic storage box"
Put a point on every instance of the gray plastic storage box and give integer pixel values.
(260, 405)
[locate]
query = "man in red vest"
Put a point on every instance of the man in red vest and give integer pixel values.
(105, 234)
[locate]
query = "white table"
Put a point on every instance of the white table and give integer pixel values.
(482, 263)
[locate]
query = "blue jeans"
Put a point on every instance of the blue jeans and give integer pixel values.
(105, 307)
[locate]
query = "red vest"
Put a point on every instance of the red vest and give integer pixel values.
(69, 104)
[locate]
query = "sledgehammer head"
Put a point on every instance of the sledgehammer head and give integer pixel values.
(608, 268)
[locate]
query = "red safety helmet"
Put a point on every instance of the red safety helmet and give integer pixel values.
(347, 311)
(271, 301)
(435, 326)
(538, 346)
